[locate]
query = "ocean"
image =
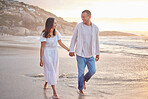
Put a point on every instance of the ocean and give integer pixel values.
(126, 45)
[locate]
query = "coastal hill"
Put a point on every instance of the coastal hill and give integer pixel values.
(18, 18)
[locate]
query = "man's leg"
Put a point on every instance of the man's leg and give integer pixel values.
(91, 68)
(81, 63)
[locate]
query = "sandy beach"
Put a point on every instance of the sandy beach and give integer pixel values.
(118, 76)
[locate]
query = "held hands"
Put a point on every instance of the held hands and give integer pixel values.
(71, 54)
(97, 58)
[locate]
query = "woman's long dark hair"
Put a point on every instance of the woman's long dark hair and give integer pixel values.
(48, 26)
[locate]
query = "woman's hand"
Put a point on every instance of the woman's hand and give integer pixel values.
(41, 63)
(68, 50)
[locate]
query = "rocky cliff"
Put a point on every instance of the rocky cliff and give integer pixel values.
(18, 18)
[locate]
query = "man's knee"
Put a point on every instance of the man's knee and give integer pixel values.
(93, 71)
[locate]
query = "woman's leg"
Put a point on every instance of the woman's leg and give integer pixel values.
(45, 85)
(55, 96)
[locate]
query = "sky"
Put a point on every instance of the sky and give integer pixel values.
(99, 8)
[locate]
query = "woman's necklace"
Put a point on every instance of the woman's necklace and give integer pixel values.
(50, 35)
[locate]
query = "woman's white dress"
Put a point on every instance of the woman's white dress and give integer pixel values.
(50, 59)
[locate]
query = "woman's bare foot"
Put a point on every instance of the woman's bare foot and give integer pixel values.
(84, 86)
(45, 85)
(55, 96)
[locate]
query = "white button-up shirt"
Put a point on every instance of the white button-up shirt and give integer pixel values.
(86, 39)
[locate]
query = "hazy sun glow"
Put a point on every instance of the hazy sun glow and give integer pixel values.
(99, 8)
(107, 9)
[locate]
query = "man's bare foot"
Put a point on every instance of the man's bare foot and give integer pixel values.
(45, 85)
(81, 92)
(84, 86)
(55, 96)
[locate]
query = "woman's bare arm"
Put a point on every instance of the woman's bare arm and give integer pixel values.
(41, 53)
(62, 45)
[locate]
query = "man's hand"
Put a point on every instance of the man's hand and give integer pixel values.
(71, 54)
(97, 57)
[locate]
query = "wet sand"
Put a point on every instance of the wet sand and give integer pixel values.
(118, 76)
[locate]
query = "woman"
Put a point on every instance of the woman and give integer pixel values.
(49, 53)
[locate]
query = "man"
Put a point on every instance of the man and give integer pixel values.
(86, 39)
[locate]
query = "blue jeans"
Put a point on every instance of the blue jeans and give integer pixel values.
(81, 63)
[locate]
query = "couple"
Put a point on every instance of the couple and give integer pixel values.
(85, 38)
